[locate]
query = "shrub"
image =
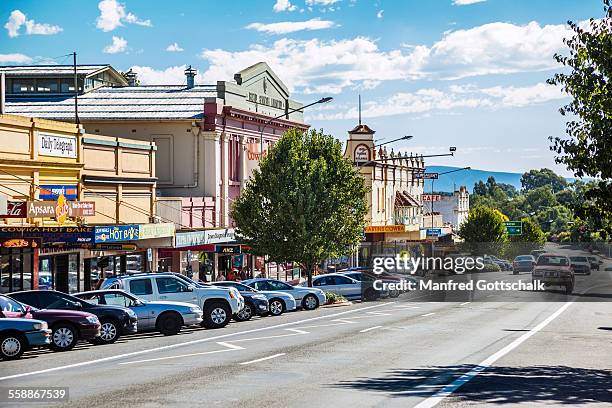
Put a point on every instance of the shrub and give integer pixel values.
(334, 298)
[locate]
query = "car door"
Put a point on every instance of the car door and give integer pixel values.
(283, 287)
(142, 287)
(142, 312)
(171, 288)
(347, 287)
(326, 284)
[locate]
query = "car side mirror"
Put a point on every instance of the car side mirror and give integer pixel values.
(190, 288)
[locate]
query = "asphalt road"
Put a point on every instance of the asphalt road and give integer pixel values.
(383, 354)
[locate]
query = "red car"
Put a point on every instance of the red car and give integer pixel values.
(67, 326)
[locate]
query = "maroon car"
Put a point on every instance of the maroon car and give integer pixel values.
(68, 326)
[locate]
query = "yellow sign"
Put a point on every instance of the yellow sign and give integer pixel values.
(373, 229)
(62, 209)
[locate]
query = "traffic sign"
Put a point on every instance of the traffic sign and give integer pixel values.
(433, 232)
(514, 227)
(426, 176)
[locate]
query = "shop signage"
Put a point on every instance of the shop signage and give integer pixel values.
(82, 208)
(227, 249)
(19, 243)
(432, 197)
(372, 229)
(79, 235)
(43, 209)
(195, 238)
(362, 153)
(57, 146)
(150, 231)
(15, 209)
(116, 233)
(433, 232)
(254, 151)
(3, 205)
(53, 191)
(219, 236)
(114, 247)
(265, 100)
(426, 176)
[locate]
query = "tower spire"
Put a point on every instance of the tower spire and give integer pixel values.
(360, 109)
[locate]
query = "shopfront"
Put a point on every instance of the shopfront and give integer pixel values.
(16, 259)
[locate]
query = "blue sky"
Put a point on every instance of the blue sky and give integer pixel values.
(465, 73)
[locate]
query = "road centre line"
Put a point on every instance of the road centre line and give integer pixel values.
(428, 314)
(230, 347)
(447, 390)
(296, 332)
(369, 329)
(187, 343)
(465, 303)
(263, 359)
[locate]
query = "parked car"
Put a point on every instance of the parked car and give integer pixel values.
(67, 326)
(537, 252)
(165, 317)
(278, 302)
(198, 284)
(523, 263)
(502, 263)
(554, 270)
(114, 320)
(307, 298)
(367, 284)
(218, 304)
(580, 264)
(339, 284)
(255, 303)
(595, 262)
(18, 335)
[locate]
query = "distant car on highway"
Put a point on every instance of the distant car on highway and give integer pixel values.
(502, 263)
(18, 335)
(166, 317)
(307, 298)
(554, 270)
(67, 326)
(537, 252)
(114, 320)
(523, 263)
(580, 264)
(339, 284)
(595, 262)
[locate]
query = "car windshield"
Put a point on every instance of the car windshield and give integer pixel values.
(552, 260)
(578, 259)
(524, 258)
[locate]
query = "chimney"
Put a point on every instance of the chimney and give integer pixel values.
(132, 78)
(190, 74)
(2, 93)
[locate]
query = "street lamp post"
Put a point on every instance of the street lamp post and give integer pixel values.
(322, 100)
(407, 137)
(432, 191)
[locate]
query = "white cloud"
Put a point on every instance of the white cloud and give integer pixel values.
(466, 2)
(174, 47)
(170, 76)
(313, 66)
(118, 45)
(283, 5)
(17, 19)
(15, 59)
(285, 27)
(321, 2)
(380, 14)
(430, 100)
(113, 15)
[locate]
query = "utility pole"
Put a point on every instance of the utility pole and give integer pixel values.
(76, 89)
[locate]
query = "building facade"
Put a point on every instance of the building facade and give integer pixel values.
(451, 209)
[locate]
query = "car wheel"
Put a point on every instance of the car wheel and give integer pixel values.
(276, 307)
(169, 324)
(63, 337)
(109, 332)
(244, 314)
(310, 302)
(569, 288)
(394, 293)
(370, 295)
(12, 346)
(216, 315)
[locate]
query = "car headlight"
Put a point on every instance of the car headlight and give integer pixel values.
(40, 326)
(131, 313)
(92, 319)
(195, 309)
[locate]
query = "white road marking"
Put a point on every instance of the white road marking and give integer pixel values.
(379, 314)
(369, 329)
(187, 343)
(263, 359)
(343, 321)
(465, 303)
(230, 347)
(428, 314)
(452, 387)
(296, 332)
(406, 307)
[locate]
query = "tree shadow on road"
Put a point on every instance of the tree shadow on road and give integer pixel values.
(496, 385)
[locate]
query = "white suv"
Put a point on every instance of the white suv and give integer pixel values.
(218, 304)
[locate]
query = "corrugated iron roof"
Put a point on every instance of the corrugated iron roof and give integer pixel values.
(22, 70)
(111, 103)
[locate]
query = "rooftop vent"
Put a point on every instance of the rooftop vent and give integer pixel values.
(190, 73)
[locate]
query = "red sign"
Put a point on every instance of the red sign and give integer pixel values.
(432, 197)
(16, 209)
(19, 243)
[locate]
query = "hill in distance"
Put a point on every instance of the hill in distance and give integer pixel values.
(448, 182)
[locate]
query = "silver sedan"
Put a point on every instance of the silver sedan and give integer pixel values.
(166, 317)
(307, 298)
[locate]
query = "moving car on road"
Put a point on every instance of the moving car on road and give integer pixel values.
(218, 304)
(595, 262)
(307, 298)
(339, 284)
(18, 335)
(114, 320)
(166, 317)
(554, 270)
(580, 264)
(523, 263)
(502, 263)
(67, 326)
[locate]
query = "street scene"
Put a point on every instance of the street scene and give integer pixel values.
(306, 203)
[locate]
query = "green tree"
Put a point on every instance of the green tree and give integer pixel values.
(539, 199)
(532, 238)
(304, 204)
(586, 149)
(544, 177)
(484, 230)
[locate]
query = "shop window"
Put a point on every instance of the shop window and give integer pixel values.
(23, 85)
(47, 85)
